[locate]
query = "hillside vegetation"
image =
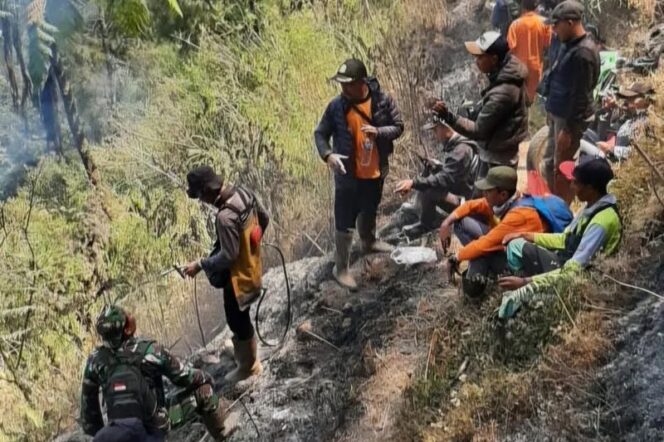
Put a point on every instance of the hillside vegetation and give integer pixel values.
(160, 87)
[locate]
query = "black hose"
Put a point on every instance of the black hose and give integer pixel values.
(288, 306)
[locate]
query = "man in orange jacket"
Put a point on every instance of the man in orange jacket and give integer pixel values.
(481, 225)
(528, 38)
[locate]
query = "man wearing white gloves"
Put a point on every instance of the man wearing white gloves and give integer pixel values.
(363, 122)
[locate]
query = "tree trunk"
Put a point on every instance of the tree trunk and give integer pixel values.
(48, 107)
(9, 59)
(73, 118)
(27, 81)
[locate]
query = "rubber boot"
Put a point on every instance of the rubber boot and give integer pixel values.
(341, 273)
(366, 227)
(214, 422)
(246, 359)
(416, 230)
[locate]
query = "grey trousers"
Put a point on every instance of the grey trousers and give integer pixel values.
(557, 153)
(485, 268)
(427, 202)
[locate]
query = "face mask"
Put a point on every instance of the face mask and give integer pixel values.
(499, 211)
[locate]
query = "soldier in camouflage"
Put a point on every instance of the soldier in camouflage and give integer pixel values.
(129, 371)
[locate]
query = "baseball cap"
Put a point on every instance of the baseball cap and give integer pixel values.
(201, 178)
(567, 169)
(637, 89)
(502, 177)
(433, 122)
(482, 44)
(567, 10)
(349, 71)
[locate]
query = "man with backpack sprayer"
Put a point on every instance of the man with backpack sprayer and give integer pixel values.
(235, 262)
(482, 224)
(129, 371)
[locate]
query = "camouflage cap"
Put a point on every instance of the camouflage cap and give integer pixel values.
(110, 325)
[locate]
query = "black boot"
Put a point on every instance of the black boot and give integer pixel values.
(416, 230)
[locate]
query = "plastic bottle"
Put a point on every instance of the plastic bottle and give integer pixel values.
(367, 148)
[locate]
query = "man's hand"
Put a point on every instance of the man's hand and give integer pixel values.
(335, 162)
(404, 186)
(444, 233)
(440, 107)
(510, 237)
(192, 269)
(369, 130)
(512, 282)
(609, 102)
(605, 147)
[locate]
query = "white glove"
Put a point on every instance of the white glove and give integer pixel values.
(334, 161)
(435, 162)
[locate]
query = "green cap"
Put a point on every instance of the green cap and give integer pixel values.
(502, 177)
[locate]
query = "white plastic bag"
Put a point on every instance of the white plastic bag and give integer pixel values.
(413, 255)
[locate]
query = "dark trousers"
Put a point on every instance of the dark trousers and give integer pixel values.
(362, 196)
(428, 201)
(238, 321)
(126, 430)
(485, 268)
(537, 260)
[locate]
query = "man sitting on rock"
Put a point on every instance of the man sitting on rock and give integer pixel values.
(445, 181)
(482, 224)
(548, 257)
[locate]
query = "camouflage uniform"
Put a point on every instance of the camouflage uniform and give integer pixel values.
(155, 361)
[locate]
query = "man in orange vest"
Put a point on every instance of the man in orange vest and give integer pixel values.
(235, 262)
(528, 38)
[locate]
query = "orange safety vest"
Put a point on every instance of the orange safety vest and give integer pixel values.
(247, 269)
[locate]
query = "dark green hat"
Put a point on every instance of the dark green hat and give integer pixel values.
(567, 10)
(501, 177)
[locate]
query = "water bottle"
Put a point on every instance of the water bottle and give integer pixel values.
(367, 147)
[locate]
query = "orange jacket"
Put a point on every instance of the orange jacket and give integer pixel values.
(516, 220)
(528, 37)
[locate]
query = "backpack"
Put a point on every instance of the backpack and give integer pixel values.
(128, 393)
(552, 209)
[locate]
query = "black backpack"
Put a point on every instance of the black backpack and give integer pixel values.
(128, 393)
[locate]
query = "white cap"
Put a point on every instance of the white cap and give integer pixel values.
(482, 44)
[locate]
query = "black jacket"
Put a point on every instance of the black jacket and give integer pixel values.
(502, 122)
(457, 174)
(572, 79)
(386, 118)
